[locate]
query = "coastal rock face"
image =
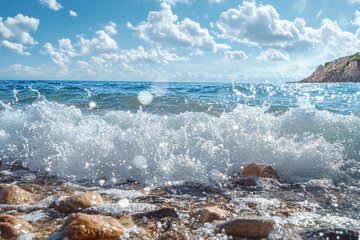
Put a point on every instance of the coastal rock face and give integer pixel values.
(346, 69)
(248, 227)
(12, 227)
(81, 226)
(260, 170)
(13, 195)
(80, 201)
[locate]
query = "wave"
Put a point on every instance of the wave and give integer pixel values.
(303, 143)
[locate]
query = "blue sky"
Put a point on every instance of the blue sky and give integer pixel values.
(174, 40)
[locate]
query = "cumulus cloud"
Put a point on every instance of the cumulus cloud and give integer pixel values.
(273, 55)
(17, 47)
(163, 28)
(101, 42)
(354, 1)
(19, 28)
(154, 56)
(356, 22)
(216, 1)
(73, 13)
(57, 56)
(235, 55)
(261, 26)
(51, 4)
(110, 28)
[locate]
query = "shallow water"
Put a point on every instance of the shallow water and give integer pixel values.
(174, 134)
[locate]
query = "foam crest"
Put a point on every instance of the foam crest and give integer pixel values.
(303, 143)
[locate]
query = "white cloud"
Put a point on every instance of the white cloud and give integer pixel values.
(110, 28)
(354, 1)
(57, 56)
(174, 2)
(154, 56)
(73, 13)
(18, 28)
(67, 47)
(273, 55)
(262, 26)
(356, 22)
(319, 13)
(162, 28)
(51, 4)
(101, 42)
(17, 47)
(216, 1)
(235, 55)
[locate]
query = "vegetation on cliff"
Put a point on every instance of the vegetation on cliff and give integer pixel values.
(345, 69)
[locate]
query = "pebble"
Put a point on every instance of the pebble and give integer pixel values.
(254, 227)
(12, 227)
(13, 195)
(260, 170)
(80, 201)
(81, 226)
(209, 214)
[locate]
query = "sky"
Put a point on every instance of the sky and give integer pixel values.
(174, 40)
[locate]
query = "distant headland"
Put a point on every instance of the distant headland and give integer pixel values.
(345, 69)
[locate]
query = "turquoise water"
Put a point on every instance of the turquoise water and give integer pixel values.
(198, 132)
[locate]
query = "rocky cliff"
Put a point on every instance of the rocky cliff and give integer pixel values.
(346, 69)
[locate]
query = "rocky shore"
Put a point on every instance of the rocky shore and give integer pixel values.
(345, 69)
(255, 204)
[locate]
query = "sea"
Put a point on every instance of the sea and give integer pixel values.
(176, 134)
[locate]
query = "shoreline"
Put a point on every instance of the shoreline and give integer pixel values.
(176, 206)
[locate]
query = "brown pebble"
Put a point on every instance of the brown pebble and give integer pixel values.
(80, 201)
(247, 227)
(260, 170)
(12, 227)
(81, 226)
(209, 214)
(13, 195)
(158, 214)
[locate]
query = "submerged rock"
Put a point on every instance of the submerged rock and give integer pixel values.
(13, 195)
(12, 227)
(158, 214)
(331, 234)
(80, 201)
(247, 227)
(260, 170)
(209, 214)
(81, 226)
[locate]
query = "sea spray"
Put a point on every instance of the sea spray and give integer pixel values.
(303, 143)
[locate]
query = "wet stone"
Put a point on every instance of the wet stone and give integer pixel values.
(331, 234)
(209, 214)
(12, 227)
(81, 226)
(247, 227)
(260, 170)
(158, 214)
(80, 201)
(13, 195)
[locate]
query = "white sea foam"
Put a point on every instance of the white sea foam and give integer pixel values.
(303, 143)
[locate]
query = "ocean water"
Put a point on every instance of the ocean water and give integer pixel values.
(190, 138)
(158, 132)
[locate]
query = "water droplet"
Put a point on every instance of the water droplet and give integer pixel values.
(140, 162)
(92, 105)
(145, 97)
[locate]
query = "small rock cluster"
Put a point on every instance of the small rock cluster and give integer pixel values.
(83, 222)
